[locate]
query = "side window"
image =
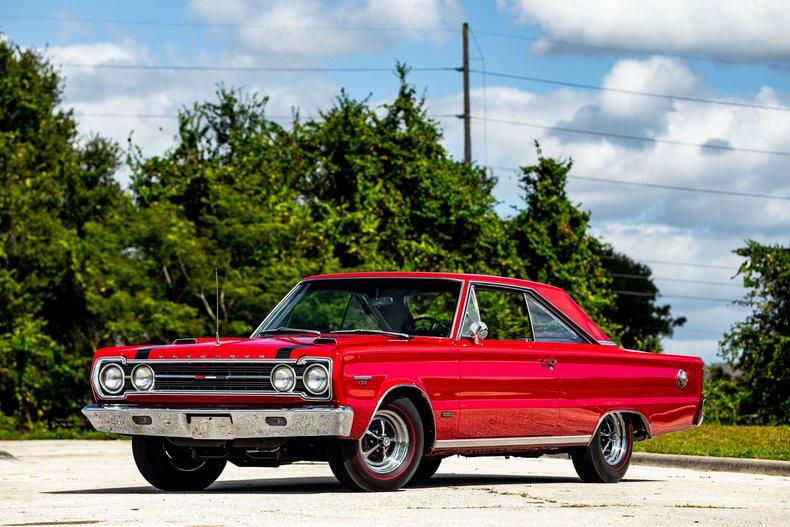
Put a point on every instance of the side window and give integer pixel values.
(472, 313)
(547, 327)
(505, 313)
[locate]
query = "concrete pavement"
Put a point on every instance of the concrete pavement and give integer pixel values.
(96, 483)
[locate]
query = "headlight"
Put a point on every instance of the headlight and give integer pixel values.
(283, 378)
(316, 379)
(111, 378)
(143, 377)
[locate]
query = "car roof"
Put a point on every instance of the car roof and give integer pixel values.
(554, 295)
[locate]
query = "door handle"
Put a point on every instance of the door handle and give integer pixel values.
(548, 363)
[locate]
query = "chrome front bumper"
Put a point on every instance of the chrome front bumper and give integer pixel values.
(221, 423)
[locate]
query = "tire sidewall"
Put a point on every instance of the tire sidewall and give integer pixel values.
(611, 473)
(351, 470)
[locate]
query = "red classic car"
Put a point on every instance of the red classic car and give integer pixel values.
(385, 374)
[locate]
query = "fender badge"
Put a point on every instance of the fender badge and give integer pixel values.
(362, 379)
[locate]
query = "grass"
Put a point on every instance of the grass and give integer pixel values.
(757, 442)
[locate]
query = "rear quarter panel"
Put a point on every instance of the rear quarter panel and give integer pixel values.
(597, 379)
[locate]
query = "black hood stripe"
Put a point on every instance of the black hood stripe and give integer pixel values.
(285, 353)
(143, 353)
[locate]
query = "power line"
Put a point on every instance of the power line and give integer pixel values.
(661, 186)
(402, 29)
(684, 189)
(155, 115)
(665, 279)
(104, 115)
(637, 137)
(196, 23)
(682, 264)
(294, 69)
(635, 92)
(636, 51)
(683, 297)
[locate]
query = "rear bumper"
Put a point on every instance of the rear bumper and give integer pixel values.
(700, 415)
(221, 423)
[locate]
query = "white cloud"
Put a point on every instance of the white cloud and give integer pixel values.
(655, 75)
(754, 29)
(99, 95)
(650, 223)
(94, 54)
(273, 26)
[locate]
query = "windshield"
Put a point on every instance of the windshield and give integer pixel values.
(409, 306)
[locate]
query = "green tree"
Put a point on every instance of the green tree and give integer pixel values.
(54, 185)
(224, 196)
(760, 345)
(554, 243)
(644, 322)
(390, 193)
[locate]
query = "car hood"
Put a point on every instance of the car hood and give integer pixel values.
(274, 347)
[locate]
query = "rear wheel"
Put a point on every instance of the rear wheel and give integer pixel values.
(387, 455)
(606, 458)
(170, 467)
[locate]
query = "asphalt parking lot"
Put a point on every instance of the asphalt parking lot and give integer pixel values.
(96, 482)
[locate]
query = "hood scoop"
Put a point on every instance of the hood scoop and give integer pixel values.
(189, 340)
(324, 340)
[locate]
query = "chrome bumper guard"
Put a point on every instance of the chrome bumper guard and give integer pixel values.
(219, 423)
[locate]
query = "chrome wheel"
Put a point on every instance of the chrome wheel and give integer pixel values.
(385, 445)
(614, 439)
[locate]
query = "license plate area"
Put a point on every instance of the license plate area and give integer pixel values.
(211, 427)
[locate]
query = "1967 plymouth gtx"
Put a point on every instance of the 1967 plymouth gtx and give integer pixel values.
(385, 374)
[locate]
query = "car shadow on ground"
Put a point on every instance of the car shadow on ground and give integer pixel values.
(329, 485)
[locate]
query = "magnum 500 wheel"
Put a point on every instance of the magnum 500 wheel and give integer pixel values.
(170, 467)
(387, 455)
(606, 458)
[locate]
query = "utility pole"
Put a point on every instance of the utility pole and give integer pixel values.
(467, 116)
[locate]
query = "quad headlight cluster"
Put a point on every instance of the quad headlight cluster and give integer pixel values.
(308, 377)
(315, 378)
(112, 378)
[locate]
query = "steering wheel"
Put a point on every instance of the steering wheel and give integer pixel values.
(436, 324)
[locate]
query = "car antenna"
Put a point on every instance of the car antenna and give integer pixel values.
(216, 305)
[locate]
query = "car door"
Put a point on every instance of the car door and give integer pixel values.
(579, 365)
(508, 386)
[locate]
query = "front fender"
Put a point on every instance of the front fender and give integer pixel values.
(365, 393)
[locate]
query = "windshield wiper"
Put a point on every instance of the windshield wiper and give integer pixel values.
(374, 332)
(283, 330)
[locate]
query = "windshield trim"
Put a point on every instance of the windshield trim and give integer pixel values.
(295, 290)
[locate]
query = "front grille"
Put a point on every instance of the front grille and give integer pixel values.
(217, 377)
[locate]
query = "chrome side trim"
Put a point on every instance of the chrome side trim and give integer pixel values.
(633, 412)
(240, 423)
(495, 442)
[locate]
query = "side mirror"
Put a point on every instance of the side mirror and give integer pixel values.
(478, 331)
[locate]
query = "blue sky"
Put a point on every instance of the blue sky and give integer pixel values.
(748, 42)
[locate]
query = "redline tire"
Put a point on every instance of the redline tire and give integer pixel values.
(373, 464)
(598, 462)
(172, 468)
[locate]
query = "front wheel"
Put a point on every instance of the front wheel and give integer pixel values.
(387, 455)
(174, 468)
(606, 458)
